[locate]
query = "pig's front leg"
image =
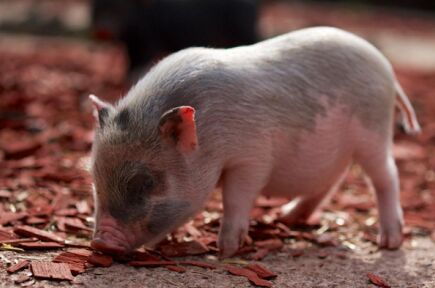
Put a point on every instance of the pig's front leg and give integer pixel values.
(240, 188)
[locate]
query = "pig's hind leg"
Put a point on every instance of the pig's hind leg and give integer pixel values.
(240, 189)
(299, 210)
(375, 156)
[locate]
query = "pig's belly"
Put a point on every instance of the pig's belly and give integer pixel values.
(315, 163)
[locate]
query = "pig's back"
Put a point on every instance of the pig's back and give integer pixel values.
(305, 72)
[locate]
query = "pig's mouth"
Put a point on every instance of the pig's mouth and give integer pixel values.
(110, 238)
(120, 242)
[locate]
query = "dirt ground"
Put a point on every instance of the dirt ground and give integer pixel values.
(412, 266)
(342, 265)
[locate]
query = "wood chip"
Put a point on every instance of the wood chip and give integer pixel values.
(66, 212)
(326, 239)
(75, 258)
(38, 233)
(18, 241)
(51, 270)
(100, 260)
(6, 234)
(5, 194)
(270, 244)
(77, 268)
(251, 275)
(261, 271)
(151, 263)
(75, 224)
(260, 254)
(22, 278)
(8, 217)
(376, 280)
(198, 264)
(322, 254)
(68, 257)
(297, 253)
(21, 148)
(41, 245)
(85, 253)
(175, 268)
(19, 266)
(83, 207)
(183, 249)
(144, 256)
(36, 220)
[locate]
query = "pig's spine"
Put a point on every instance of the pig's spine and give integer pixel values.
(410, 121)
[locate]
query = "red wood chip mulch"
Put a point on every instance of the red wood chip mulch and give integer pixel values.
(46, 136)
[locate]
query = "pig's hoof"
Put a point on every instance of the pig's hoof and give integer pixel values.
(230, 241)
(227, 248)
(390, 240)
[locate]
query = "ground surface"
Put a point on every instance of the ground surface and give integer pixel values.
(44, 85)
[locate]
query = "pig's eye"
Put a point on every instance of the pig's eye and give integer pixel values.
(139, 187)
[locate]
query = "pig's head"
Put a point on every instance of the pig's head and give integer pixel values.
(142, 187)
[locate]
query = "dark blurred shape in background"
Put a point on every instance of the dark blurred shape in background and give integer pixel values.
(412, 4)
(151, 29)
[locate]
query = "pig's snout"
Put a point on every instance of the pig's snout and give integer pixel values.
(110, 238)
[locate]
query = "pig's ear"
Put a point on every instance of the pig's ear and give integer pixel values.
(101, 110)
(177, 127)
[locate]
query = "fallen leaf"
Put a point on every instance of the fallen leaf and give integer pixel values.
(9, 247)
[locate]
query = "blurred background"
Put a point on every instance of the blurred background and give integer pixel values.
(147, 30)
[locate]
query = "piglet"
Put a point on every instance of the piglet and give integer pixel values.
(285, 117)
